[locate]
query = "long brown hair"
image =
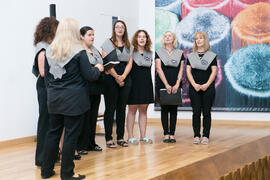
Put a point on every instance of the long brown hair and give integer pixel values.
(148, 44)
(45, 30)
(125, 36)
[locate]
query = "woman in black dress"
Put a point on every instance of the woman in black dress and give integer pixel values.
(201, 73)
(86, 141)
(141, 94)
(43, 36)
(117, 84)
(169, 67)
(67, 70)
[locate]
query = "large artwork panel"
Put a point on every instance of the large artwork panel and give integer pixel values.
(239, 32)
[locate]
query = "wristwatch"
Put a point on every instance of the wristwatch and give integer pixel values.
(178, 78)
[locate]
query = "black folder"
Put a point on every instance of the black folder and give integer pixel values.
(110, 65)
(110, 60)
(170, 99)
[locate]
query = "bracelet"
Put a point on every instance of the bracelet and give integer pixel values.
(123, 76)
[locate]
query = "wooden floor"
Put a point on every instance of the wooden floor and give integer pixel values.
(137, 162)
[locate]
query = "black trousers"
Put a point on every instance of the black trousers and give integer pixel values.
(165, 111)
(88, 132)
(201, 102)
(43, 120)
(72, 126)
(116, 98)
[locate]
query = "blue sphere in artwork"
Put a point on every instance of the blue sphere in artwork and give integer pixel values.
(173, 6)
(216, 25)
(161, 3)
(248, 70)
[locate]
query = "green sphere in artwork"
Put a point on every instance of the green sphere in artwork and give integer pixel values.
(164, 21)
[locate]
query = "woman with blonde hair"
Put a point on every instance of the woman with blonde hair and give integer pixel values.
(201, 73)
(67, 70)
(141, 94)
(169, 67)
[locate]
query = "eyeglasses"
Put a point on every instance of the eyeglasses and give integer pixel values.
(119, 27)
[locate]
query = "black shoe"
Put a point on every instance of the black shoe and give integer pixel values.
(172, 141)
(74, 178)
(166, 140)
(82, 152)
(38, 164)
(46, 176)
(94, 148)
(77, 157)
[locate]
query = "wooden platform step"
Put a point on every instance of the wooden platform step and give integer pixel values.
(216, 166)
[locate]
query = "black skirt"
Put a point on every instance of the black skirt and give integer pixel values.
(142, 85)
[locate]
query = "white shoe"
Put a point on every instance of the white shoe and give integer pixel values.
(133, 141)
(196, 140)
(205, 140)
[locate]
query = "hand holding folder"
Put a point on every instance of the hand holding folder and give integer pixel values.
(170, 99)
(110, 60)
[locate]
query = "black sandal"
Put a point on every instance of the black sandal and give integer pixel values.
(74, 178)
(111, 145)
(122, 143)
(166, 138)
(82, 152)
(96, 148)
(77, 157)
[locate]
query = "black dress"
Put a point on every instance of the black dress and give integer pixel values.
(142, 85)
(171, 74)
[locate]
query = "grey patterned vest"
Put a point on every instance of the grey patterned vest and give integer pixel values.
(144, 60)
(201, 63)
(172, 60)
(95, 58)
(123, 56)
(57, 67)
(39, 46)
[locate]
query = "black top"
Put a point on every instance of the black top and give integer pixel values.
(120, 68)
(35, 69)
(69, 95)
(171, 74)
(202, 76)
(96, 87)
(121, 48)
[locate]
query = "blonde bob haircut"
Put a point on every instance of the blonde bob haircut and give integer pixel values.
(206, 41)
(67, 37)
(174, 39)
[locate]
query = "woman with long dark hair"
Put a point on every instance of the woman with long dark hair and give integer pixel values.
(117, 84)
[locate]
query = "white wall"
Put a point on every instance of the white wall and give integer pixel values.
(18, 97)
(147, 21)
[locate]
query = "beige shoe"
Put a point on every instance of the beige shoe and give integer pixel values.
(147, 140)
(205, 140)
(196, 140)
